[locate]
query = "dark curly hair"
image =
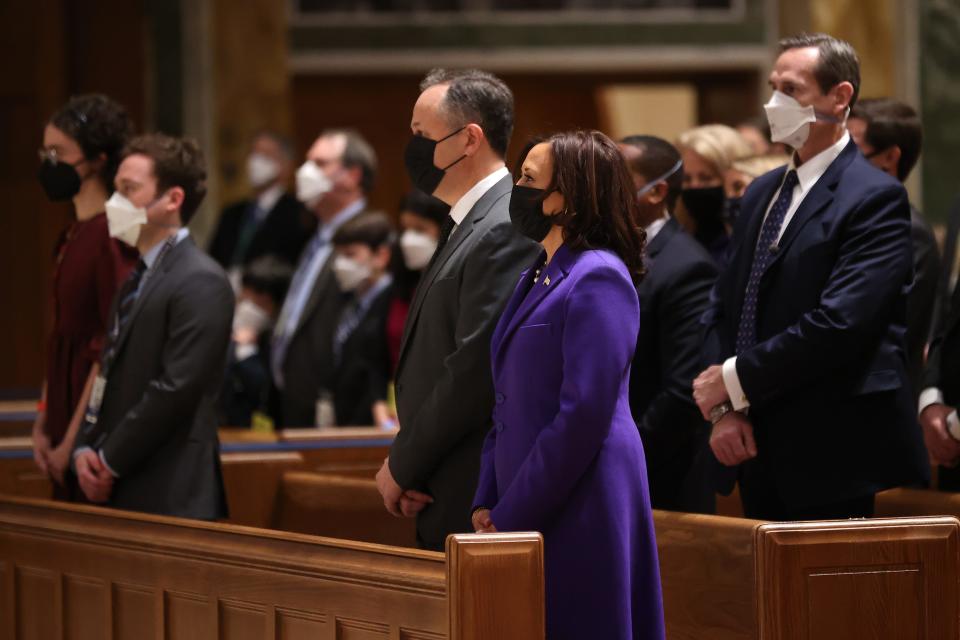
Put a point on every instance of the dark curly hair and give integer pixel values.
(100, 126)
(600, 209)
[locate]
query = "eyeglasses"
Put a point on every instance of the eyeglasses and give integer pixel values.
(52, 156)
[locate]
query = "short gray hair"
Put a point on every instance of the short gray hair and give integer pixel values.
(357, 153)
(475, 96)
(838, 61)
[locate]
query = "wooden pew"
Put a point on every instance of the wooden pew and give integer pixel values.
(883, 579)
(338, 507)
(73, 571)
(895, 503)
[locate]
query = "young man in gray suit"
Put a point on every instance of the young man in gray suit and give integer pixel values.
(149, 440)
(461, 127)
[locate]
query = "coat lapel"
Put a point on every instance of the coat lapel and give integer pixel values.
(463, 231)
(820, 196)
(147, 288)
(548, 281)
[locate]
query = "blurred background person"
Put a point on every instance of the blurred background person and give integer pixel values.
(756, 133)
(564, 456)
(246, 387)
(333, 183)
(890, 136)
(738, 177)
(707, 153)
(82, 145)
(271, 221)
(673, 296)
(420, 219)
(361, 354)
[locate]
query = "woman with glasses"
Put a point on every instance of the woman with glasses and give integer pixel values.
(81, 150)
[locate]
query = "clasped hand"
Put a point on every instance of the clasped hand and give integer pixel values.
(397, 501)
(95, 479)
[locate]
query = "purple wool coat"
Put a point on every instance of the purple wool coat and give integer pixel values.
(564, 455)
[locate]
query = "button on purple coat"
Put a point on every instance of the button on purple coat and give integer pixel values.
(564, 455)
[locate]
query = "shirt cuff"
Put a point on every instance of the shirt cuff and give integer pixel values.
(244, 351)
(105, 464)
(80, 450)
(929, 396)
(732, 382)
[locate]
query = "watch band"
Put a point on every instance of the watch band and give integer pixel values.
(717, 413)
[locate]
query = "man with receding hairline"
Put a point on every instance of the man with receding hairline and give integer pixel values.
(461, 127)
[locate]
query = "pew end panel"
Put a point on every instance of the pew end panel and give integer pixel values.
(884, 579)
(489, 597)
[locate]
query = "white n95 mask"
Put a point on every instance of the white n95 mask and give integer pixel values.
(124, 219)
(349, 273)
(417, 249)
(312, 183)
(789, 121)
(261, 170)
(249, 315)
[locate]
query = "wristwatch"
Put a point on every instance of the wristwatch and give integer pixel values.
(717, 413)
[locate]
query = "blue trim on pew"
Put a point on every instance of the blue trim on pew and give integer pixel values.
(18, 416)
(253, 447)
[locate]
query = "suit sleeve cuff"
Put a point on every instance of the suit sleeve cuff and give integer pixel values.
(732, 382)
(929, 396)
(107, 465)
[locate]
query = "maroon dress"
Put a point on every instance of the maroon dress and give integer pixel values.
(90, 267)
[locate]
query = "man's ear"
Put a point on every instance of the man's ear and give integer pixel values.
(475, 137)
(843, 94)
(657, 194)
(890, 159)
(382, 256)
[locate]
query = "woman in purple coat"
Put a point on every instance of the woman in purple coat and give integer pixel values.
(564, 455)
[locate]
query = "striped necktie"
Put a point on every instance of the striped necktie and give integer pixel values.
(128, 298)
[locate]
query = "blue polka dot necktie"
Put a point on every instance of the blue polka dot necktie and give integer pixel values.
(762, 256)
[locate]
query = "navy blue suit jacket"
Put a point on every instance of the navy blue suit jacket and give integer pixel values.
(832, 410)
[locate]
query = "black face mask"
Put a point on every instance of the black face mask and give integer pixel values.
(731, 210)
(705, 206)
(526, 213)
(60, 180)
(418, 158)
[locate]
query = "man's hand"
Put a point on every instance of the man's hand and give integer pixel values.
(389, 489)
(94, 478)
(732, 439)
(941, 446)
(413, 502)
(482, 522)
(709, 390)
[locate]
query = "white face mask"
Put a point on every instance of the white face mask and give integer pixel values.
(417, 249)
(349, 273)
(124, 219)
(312, 183)
(250, 316)
(261, 170)
(790, 121)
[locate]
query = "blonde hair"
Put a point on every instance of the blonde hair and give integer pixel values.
(756, 166)
(718, 144)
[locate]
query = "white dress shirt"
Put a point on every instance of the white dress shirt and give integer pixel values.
(462, 207)
(654, 227)
(808, 174)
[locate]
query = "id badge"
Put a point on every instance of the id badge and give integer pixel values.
(96, 398)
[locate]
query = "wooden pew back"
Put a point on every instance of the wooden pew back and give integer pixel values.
(339, 507)
(86, 572)
(898, 503)
(884, 579)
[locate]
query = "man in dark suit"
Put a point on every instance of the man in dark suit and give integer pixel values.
(889, 135)
(461, 127)
(149, 442)
(673, 297)
(360, 348)
(270, 222)
(810, 391)
(333, 183)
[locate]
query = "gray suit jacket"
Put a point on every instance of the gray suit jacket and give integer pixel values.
(443, 382)
(157, 426)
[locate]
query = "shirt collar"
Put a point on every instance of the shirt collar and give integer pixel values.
(463, 206)
(813, 169)
(268, 199)
(326, 231)
(654, 227)
(150, 257)
(378, 287)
